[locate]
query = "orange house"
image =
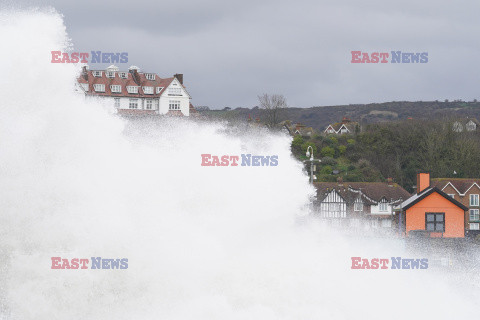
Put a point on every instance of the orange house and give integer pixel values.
(433, 212)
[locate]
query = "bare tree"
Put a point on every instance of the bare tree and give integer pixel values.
(273, 106)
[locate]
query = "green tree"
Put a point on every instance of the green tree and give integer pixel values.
(297, 144)
(328, 152)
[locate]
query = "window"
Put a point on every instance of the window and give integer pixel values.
(132, 89)
(174, 105)
(174, 91)
(157, 104)
(451, 195)
(133, 104)
(159, 89)
(383, 206)
(110, 74)
(475, 226)
(97, 73)
(435, 222)
(99, 87)
(150, 76)
(116, 88)
(357, 206)
(148, 90)
(149, 104)
(474, 200)
(116, 102)
(474, 215)
(333, 207)
(122, 75)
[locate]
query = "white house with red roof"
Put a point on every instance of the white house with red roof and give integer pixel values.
(137, 93)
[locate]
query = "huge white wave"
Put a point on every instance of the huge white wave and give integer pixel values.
(202, 242)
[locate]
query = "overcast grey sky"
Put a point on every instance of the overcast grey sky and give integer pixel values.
(232, 51)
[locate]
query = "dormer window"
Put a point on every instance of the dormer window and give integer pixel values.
(159, 89)
(99, 87)
(132, 89)
(97, 73)
(148, 90)
(110, 74)
(116, 88)
(122, 75)
(383, 207)
(150, 76)
(174, 91)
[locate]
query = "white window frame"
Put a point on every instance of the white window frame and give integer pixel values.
(174, 105)
(133, 104)
(474, 226)
(110, 74)
(474, 215)
(97, 73)
(159, 89)
(157, 104)
(149, 104)
(383, 207)
(123, 75)
(148, 90)
(116, 88)
(176, 92)
(98, 87)
(116, 102)
(150, 76)
(132, 89)
(358, 206)
(474, 200)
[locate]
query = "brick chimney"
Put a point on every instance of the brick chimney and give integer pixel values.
(179, 76)
(135, 76)
(390, 182)
(423, 181)
(85, 73)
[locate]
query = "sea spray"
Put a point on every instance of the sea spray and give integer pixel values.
(201, 242)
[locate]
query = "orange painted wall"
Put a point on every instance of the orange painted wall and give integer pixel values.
(454, 216)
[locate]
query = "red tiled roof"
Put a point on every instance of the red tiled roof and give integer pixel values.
(141, 81)
(462, 185)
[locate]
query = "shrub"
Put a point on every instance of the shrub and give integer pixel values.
(328, 161)
(326, 170)
(297, 144)
(328, 152)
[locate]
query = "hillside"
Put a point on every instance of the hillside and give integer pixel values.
(320, 117)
